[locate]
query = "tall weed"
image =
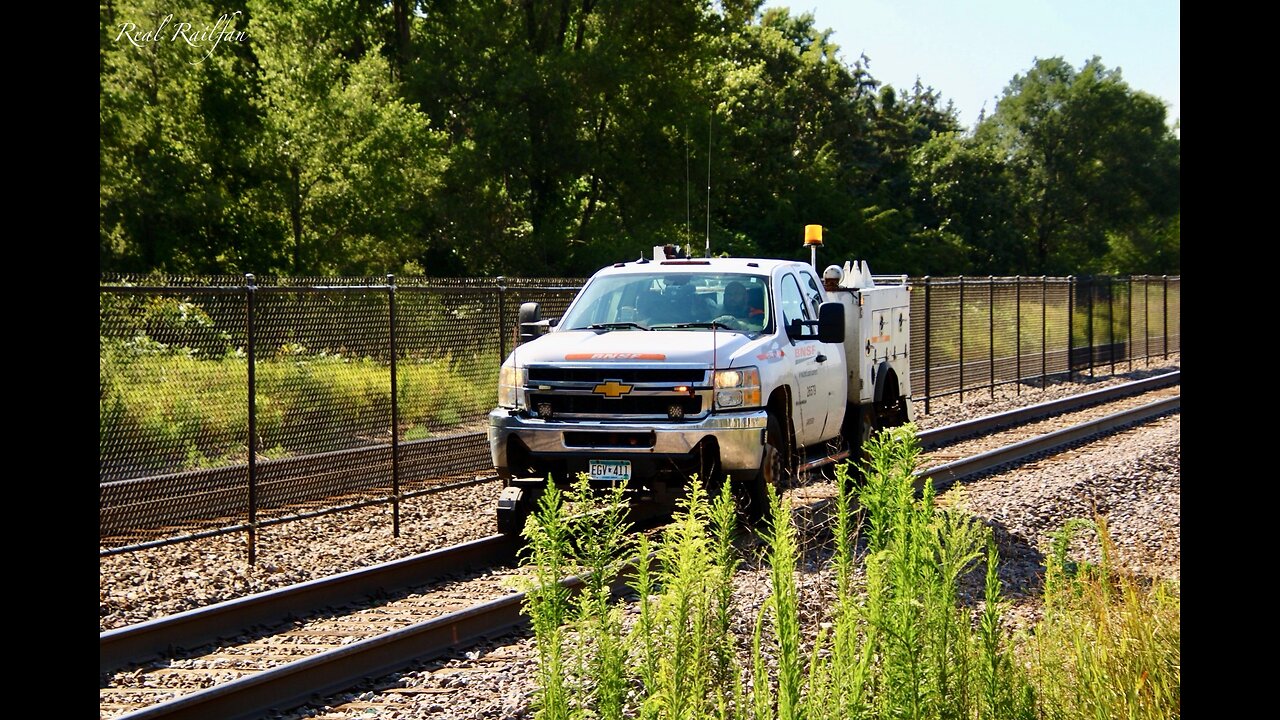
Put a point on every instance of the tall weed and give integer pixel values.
(920, 632)
(1109, 643)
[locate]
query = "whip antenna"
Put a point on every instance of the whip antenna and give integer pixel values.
(709, 119)
(688, 219)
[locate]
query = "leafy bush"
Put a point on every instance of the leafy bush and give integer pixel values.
(181, 323)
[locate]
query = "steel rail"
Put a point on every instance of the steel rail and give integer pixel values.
(135, 643)
(294, 516)
(295, 683)
(138, 504)
(949, 473)
(127, 505)
(933, 439)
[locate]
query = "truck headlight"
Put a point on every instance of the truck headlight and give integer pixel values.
(737, 388)
(511, 380)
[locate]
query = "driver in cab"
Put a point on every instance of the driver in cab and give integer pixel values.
(736, 311)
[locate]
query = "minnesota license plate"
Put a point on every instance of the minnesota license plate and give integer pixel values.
(613, 470)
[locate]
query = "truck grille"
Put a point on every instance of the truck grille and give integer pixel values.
(660, 406)
(673, 376)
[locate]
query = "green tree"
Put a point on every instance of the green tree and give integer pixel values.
(901, 125)
(565, 124)
(176, 131)
(1092, 156)
(809, 138)
(1152, 248)
(550, 138)
(792, 142)
(351, 166)
(964, 198)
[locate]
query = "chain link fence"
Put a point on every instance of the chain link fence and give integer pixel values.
(978, 333)
(354, 390)
(372, 390)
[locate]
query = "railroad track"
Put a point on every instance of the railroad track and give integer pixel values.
(306, 638)
(286, 660)
(978, 436)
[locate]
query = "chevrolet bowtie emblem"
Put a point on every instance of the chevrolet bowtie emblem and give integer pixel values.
(612, 389)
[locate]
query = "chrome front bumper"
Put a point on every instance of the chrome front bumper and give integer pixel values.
(740, 437)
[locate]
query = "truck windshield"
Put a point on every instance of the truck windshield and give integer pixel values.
(673, 301)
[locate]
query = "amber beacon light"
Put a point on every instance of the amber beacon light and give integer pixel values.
(813, 241)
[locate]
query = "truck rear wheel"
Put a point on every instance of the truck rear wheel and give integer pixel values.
(772, 472)
(891, 408)
(891, 413)
(862, 422)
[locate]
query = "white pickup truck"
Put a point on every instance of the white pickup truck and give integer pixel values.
(737, 369)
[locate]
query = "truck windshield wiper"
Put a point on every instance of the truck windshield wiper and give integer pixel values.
(711, 324)
(617, 326)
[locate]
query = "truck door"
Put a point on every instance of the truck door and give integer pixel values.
(815, 366)
(833, 374)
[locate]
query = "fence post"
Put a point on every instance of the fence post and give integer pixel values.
(1111, 321)
(1146, 319)
(961, 338)
(1092, 292)
(1071, 322)
(991, 333)
(928, 349)
(1044, 331)
(1128, 342)
(253, 421)
(502, 320)
(1164, 317)
(1017, 324)
(395, 410)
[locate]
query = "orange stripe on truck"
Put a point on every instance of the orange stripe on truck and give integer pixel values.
(615, 356)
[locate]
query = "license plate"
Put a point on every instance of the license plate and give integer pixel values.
(612, 470)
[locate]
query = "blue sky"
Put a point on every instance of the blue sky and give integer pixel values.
(968, 50)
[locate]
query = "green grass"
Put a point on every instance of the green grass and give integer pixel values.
(914, 625)
(182, 410)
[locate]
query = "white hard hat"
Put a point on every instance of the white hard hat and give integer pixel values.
(832, 272)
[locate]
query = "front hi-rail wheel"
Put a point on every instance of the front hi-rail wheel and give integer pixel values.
(772, 472)
(515, 505)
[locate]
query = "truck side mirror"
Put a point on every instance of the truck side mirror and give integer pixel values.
(531, 325)
(831, 322)
(795, 329)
